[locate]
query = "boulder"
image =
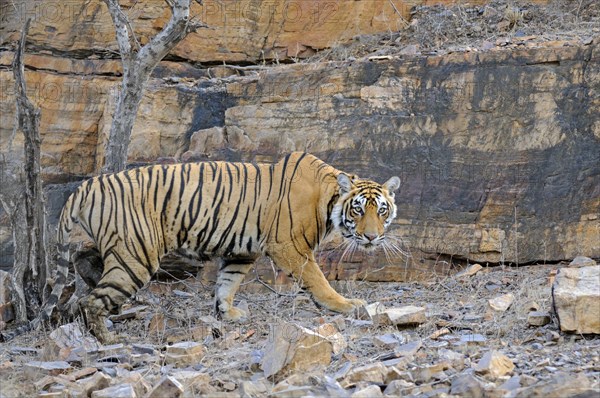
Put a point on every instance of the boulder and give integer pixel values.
(495, 364)
(331, 333)
(184, 353)
(560, 385)
(538, 318)
(469, 271)
(372, 373)
(98, 381)
(167, 387)
(70, 342)
(367, 312)
(501, 303)
(401, 316)
(468, 386)
(118, 391)
(576, 299)
(291, 347)
(52, 368)
(371, 391)
(581, 261)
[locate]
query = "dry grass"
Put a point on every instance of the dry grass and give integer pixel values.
(439, 28)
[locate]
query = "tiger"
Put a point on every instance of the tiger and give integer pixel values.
(230, 211)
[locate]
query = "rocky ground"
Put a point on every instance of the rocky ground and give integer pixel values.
(442, 29)
(489, 333)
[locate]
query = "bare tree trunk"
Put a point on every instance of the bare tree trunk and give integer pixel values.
(26, 211)
(137, 68)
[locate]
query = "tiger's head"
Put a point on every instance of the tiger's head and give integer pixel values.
(364, 210)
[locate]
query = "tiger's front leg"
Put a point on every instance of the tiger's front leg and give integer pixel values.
(230, 275)
(305, 268)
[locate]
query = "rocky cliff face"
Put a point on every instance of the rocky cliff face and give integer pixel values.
(497, 150)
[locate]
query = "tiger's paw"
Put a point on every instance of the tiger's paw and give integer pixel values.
(234, 314)
(347, 305)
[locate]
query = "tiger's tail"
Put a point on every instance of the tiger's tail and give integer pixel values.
(68, 217)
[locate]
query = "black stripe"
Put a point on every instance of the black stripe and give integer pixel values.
(270, 180)
(110, 285)
(244, 226)
(134, 278)
(197, 192)
(137, 226)
(227, 166)
(283, 175)
(289, 199)
(91, 210)
(217, 188)
(181, 190)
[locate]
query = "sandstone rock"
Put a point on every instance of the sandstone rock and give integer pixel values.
(474, 339)
(136, 379)
(117, 391)
(167, 387)
(98, 381)
(402, 316)
(45, 382)
(143, 348)
(46, 368)
(511, 384)
(254, 389)
(368, 392)
(206, 141)
(331, 333)
(245, 31)
(373, 373)
(388, 341)
(470, 270)
(538, 318)
(368, 311)
(438, 333)
(424, 374)
(560, 385)
(495, 364)
(69, 342)
(582, 261)
(192, 380)
(397, 387)
(293, 347)
(184, 353)
(408, 349)
(456, 360)
(501, 303)
(576, 299)
(466, 386)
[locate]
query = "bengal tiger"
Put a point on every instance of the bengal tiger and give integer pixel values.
(234, 211)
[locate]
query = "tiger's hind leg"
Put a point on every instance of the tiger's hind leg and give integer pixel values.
(89, 266)
(123, 276)
(230, 275)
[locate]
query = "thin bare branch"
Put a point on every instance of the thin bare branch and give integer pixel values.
(122, 31)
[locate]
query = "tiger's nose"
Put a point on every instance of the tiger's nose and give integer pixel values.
(370, 237)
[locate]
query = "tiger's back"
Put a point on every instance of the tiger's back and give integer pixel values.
(213, 208)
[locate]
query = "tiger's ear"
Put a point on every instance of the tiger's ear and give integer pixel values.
(345, 183)
(392, 184)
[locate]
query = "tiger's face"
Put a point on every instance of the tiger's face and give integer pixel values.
(364, 210)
